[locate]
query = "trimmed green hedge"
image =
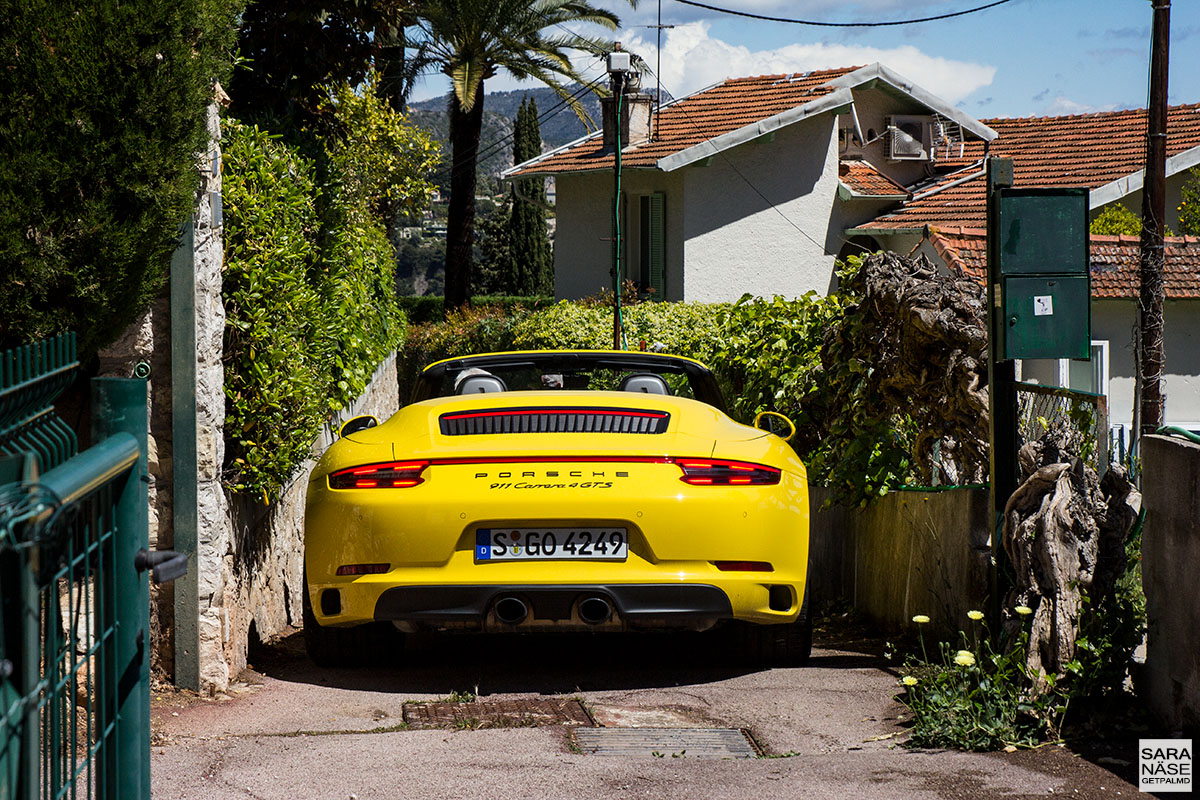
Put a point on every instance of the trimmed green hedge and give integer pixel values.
(477, 329)
(685, 329)
(429, 308)
(104, 113)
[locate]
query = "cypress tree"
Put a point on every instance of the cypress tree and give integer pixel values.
(532, 268)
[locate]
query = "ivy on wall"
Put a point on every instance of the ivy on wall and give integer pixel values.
(309, 276)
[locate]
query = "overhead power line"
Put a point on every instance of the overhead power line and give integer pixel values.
(735, 13)
(485, 151)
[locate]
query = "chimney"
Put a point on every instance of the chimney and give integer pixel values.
(635, 119)
(626, 84)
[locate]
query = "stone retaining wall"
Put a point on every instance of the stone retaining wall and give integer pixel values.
(262, 571)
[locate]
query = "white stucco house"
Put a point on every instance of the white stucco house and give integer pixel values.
(758, 184)
(747, 186)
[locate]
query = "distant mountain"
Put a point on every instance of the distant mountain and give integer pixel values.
(558, 123)
(495, 145)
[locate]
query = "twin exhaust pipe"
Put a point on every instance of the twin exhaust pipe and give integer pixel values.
(593, 610)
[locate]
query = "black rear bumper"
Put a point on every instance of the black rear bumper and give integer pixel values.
(637, 605)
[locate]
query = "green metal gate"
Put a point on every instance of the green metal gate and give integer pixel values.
(74, 657)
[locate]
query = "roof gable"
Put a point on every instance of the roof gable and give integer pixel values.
(693, 120)
(736, 111)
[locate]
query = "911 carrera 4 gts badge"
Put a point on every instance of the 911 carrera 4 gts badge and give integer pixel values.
(569, 479)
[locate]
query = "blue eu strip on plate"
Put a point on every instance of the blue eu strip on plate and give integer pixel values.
(483, 544)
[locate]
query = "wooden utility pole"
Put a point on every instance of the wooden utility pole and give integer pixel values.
(1152, 402)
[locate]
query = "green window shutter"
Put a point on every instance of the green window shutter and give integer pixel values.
(655, 250)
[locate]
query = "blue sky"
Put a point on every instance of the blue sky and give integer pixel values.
(1023, 58)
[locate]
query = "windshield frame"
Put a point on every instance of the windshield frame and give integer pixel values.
(701, 379)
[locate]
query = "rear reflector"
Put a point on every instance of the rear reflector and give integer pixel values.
(389, 475)
(744, 566)
(714, 472)
(362, 569)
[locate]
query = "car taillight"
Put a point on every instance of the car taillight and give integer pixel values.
(389, 475)
(713, 472)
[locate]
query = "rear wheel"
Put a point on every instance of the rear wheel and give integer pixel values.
(787, 645)
(359, 646)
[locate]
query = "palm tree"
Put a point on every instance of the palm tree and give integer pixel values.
(470, 41)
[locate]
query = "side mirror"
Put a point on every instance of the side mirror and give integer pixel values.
(356, 424)
(776, 423)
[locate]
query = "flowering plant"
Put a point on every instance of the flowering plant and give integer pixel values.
(975, 697)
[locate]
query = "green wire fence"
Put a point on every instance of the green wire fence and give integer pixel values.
(74, 646)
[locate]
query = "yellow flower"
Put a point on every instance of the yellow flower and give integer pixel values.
(1024, 611)
(909, 680)
(920, 619)
(975, 615)
(965, 658)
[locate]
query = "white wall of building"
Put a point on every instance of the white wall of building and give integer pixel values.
(1114, 321)
(582, 245)
(758, 218)
(581, 261)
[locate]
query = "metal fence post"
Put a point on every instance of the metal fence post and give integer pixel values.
(185, 500)
(120, 405)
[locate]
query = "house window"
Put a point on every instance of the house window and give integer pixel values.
(652, 239)
(1090, 375)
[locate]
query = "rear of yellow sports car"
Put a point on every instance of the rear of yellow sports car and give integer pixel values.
(559, 510)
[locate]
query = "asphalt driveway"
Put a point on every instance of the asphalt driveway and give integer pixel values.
(829, 730)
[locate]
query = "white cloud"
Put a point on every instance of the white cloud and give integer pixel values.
(1064, 106)
(692, 60)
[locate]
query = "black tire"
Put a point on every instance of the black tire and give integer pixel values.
(361, 645)
(787, 645)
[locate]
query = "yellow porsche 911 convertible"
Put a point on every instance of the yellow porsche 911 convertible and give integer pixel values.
(559, 491)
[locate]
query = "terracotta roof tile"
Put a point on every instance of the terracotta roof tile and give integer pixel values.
(864, 179)
(1087, 150)
(963, 249)
(697, 118)
(1114, 261)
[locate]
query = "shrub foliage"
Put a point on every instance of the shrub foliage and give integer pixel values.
(1189, 205)
(104, 115)
(767, 354)
(309, 279)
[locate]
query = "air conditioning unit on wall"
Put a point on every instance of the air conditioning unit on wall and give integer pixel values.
(909, 138)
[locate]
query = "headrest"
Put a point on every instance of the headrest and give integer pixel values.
(480, 384)
(644, 382)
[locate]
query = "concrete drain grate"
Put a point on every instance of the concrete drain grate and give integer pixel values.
(666, 742)
(530, 713)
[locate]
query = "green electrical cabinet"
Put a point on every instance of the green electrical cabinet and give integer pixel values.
(1038, 268)
(1047, 316)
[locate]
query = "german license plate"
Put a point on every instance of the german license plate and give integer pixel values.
(533, 544)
